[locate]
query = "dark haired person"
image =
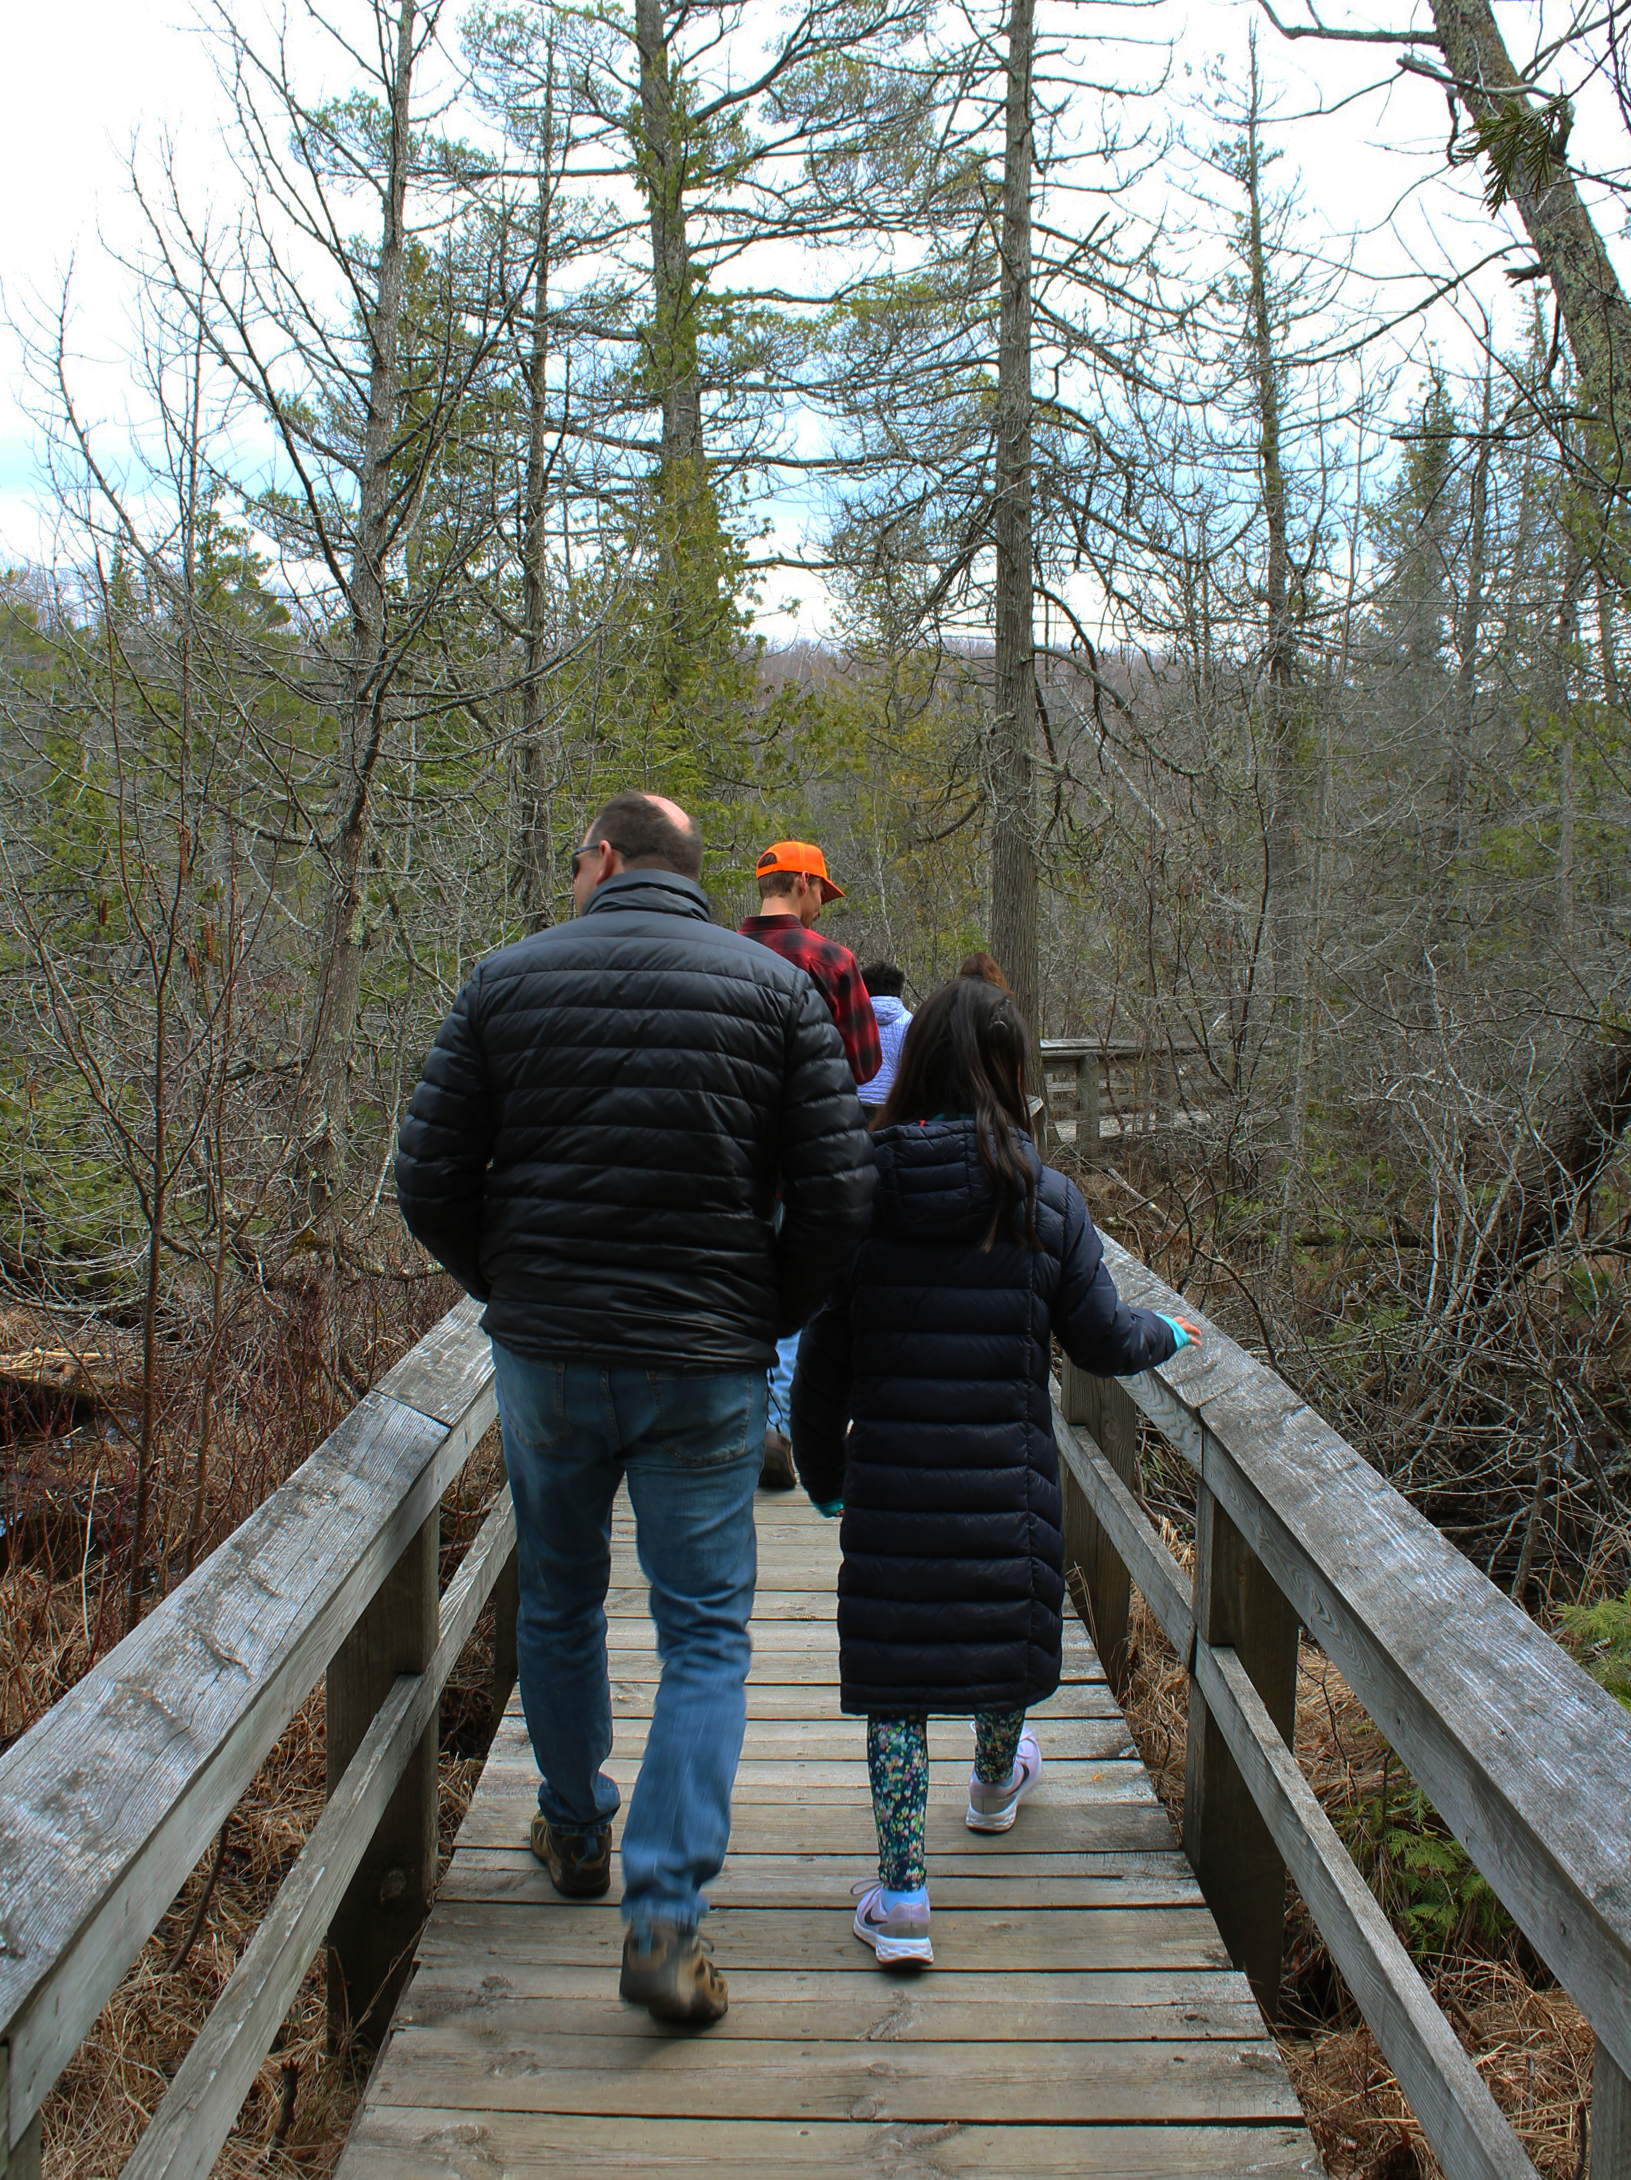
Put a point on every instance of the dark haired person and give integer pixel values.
(793, 890)
(884, 985)
(593, 1151)
(934, 1350)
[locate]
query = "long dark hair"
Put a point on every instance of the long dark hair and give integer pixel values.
(965, 1053)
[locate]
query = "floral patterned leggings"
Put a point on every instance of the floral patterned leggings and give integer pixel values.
(897, 1759)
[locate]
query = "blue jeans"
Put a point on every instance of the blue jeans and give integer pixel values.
(690, 1444)
(781, 1383)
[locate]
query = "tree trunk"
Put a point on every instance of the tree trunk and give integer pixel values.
(1013, 770)
(1594, 306)
(536, 875)
(662, 163)
(363, 716)
(1280, 673)
(1605, 646)
(1469, 631)
(689, 691)
(1307, 1005)
(1568, 639)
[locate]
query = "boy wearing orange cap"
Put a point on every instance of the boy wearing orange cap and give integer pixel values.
(793, 890)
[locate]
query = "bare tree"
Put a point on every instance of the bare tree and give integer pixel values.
(1014, 721)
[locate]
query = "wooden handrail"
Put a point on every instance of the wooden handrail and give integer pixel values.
(1526, 1759)
(1114, 1048)
(108, 1803)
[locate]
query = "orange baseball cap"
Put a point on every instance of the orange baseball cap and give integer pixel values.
(795, 856)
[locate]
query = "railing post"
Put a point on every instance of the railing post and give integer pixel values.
(1610, 2119)
(371, 1939)
(506, 1608)
(1238, 1606)
(20, 2160)
(1089, 1150)
(1105, 1408)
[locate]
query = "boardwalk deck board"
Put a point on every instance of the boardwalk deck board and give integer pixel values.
(1081, 2016)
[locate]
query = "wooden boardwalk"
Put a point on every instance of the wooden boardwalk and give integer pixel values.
(1081, 2016)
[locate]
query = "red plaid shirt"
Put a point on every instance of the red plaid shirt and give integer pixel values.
(834, 970)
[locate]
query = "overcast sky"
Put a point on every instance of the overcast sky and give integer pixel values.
(87, 77)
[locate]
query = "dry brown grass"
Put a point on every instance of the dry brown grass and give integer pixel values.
(1527, 2037)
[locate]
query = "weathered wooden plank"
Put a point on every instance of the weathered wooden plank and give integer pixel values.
(1522, 1754)
(846, 1827)
(629, 1604)
(817, 1700)
(198, 2110)
(371, 1936)
(1109, 1419)
(817, 1703)
(952, 1869)
(110, 1801)
(26, 2158)
(1158, 1575)
(1111, 1048)
(831, 1785)
(1457, 2113)
(840, 1740)
(510, 1874)
(1610, 2120)
(22, 2159)
(395, 2142)
(803, 1643)
(1089, 1149)
(462, 2061)
(506, 1609)
(449, 1370)
(1226, 1835)
(1115, 1825)
(838, 2005)
(975, 1939)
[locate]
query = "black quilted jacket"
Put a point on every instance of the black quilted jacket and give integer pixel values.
(937, 1354)
(595, 1144)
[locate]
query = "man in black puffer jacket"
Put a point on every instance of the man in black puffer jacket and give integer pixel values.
(594, 1151)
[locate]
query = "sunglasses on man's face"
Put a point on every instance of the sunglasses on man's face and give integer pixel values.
(589, 848)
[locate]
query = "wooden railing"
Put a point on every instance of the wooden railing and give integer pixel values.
(119, 1791)
(117, 1794)
(1525, 1758)
(1139, 1078)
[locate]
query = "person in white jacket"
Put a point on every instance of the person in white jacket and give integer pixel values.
(884, 984)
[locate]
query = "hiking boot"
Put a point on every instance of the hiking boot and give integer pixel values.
(776, 1470)
(993, 1806)
(579, 1863)
(671, 1973)
(899, 1932)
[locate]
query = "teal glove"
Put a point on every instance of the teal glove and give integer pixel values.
(829, 1507)
(1178, 1332)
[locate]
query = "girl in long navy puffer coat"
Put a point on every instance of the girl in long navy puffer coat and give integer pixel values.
(933, 1353)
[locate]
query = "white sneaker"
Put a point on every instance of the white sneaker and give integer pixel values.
(993, 1807)
(897, 1933)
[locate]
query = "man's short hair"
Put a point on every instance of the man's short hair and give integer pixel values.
(778, 884)
(645, 836)
(883, 980)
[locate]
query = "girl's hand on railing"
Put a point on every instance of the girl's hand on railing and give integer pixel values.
(1185, 1333)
